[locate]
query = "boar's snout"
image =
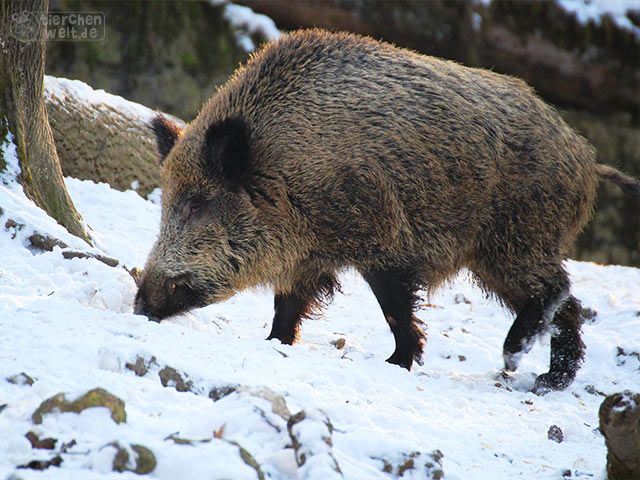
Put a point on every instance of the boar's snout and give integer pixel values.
(161, 295)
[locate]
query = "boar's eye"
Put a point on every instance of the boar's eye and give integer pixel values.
(195, 208)
(191, 209)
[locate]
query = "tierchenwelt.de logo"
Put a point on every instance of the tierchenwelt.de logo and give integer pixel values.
(68, 26)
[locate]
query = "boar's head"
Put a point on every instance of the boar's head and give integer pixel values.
(209, 231)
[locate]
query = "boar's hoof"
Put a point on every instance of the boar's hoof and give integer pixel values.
(285, 339)
(511, 360)
(548, 382)
(402, 359)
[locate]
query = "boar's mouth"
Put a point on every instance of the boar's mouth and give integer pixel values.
(174, 296)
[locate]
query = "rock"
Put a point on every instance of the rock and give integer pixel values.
(141, 366)
(43, 464)
(170, 377)
(339, 343)
(145, 461)
(45, 443)
(216, 393)
(623, 356)
(20, 379)
(555, 434)
(120, 459)
(97, 397)
(12, 224)
(66, 446)
(45, 242)
(591, 389)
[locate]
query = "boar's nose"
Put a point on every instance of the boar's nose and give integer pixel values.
(140, 308)
(160, 296)
(142, 305)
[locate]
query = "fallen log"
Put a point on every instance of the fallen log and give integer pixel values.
(102, 137)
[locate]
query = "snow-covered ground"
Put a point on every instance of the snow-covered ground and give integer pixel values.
(68, 324)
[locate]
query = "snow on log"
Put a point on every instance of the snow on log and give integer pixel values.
(102, 137)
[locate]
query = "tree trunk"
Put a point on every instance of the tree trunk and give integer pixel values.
(22, 33)
(620, 424)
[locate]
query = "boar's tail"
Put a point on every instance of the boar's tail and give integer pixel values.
(627, 184)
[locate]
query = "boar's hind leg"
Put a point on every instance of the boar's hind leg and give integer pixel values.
(292, 308)
(540, 304)
(396, 294)
(567, 349)
(533, 319)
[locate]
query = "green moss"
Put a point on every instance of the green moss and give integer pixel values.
(97, 397)
(248, 459)
(189, 61)
(145, 459)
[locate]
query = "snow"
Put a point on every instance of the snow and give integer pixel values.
(9, 155)
(476, 21)
(590, 10)
(63, 88)
(69, 325)
(247, 23)
(103, 102)
(594, 10)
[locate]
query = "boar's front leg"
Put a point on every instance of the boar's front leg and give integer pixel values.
(289, 311)
(291, 308)
(395, 291)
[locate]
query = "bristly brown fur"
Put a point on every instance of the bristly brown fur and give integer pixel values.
(402, 166)
(167, 134)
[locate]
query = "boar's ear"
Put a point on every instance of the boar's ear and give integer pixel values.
(167, 133)
(227, 150)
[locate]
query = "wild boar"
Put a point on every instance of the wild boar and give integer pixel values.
(332, 151)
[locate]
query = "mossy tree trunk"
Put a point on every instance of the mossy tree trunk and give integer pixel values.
(22, 104)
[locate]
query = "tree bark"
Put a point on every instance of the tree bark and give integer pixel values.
(22, 33)
(620, 424)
